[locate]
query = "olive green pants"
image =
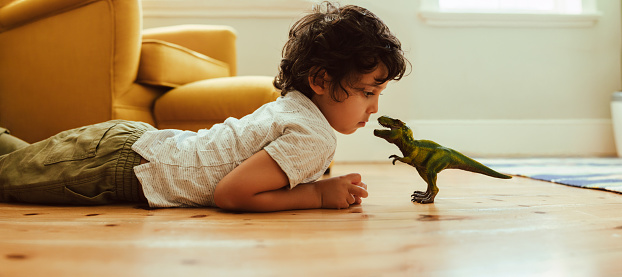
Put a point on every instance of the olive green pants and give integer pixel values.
(92, 165)
(9, 143)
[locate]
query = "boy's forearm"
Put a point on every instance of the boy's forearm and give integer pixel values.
(303, 196)
(260, 185)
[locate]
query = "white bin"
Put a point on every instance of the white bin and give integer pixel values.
(616, 117)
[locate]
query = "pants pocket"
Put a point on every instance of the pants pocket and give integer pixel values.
(76, 144)
(78, 196)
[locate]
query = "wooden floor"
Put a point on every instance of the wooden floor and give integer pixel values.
(479, 226)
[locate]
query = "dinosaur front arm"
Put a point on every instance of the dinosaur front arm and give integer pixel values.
(396, 158)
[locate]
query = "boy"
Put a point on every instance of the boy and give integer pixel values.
(335, 64)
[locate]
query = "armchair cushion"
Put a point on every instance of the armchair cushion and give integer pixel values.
(171, 65)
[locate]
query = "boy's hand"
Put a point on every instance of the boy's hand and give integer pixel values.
(341, 192)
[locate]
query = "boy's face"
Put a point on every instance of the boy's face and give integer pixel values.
(353, 112)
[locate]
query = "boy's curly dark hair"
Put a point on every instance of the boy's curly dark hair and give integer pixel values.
(342, 42)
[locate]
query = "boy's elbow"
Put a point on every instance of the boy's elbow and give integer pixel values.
(232, 200)
(226, 201)
(230, 205)
(221, 203)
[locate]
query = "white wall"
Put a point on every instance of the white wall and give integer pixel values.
(486, 91)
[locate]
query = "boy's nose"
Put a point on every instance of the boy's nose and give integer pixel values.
(373, 108)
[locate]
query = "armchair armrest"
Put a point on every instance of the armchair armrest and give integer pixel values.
(214, 41)
(204, 103)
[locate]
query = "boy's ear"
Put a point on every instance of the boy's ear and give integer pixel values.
(319, 81)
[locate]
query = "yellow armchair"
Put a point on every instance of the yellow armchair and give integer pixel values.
(69, 63)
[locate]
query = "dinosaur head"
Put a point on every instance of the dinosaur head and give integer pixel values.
(397, 129)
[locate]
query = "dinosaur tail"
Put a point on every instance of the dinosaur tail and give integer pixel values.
(465, 163)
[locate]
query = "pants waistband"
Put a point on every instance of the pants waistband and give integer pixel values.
(128, 188)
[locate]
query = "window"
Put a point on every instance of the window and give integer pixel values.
(509, 13)
(513, 6)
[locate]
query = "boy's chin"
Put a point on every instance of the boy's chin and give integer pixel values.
(347, 132)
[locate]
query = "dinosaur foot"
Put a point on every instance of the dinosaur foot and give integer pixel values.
(422, 197)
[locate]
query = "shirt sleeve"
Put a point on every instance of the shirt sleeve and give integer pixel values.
(303, 154)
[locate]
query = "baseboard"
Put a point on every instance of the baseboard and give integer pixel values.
(492, 138)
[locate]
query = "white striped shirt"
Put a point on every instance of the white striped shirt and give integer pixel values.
(185, 167)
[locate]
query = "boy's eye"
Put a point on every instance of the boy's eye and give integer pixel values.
(366, 93)
(370, 93)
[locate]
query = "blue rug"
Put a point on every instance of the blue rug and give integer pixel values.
(593, 173)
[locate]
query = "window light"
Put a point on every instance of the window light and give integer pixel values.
(512, 6)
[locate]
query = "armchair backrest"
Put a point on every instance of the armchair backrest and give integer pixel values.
(193, 37)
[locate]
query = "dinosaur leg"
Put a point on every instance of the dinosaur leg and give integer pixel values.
(420, 194)
(432, 191)
(429, 176)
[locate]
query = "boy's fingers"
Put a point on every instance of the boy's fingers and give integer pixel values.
(358, 191)
(351, 199)
(354, 178)
(357, 200)
(361, 184)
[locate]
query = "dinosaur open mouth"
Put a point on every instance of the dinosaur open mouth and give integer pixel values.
(384, 124)
(390, 123)
(387, 122)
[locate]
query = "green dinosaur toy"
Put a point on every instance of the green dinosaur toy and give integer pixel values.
(428, 157)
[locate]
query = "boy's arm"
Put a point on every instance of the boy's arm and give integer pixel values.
(259, 185)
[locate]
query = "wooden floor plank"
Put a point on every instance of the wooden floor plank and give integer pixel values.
(478, 226)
